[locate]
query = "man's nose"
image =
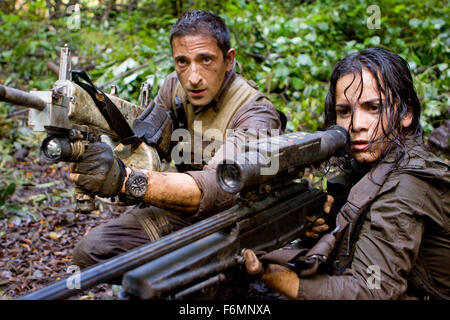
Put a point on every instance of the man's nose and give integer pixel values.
(195, 77)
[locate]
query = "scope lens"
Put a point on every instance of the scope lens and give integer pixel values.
(52, 149)
(230, 177)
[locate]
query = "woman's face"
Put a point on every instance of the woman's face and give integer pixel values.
(365, 126)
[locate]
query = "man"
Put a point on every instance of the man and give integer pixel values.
(393, 235)
(214, 98)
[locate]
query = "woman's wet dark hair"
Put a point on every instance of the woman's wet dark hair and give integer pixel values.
(393, 80)
(202, 22)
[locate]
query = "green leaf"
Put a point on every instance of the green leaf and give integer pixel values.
(438, 23)
(281, 71)
(304, 60)
(6, 192)
(37, 198)
(323, 26)
(311, 37)
(415, 23)
(298, 83)
(13, 208)
(442, 67)
(48, 184)
(375, 41)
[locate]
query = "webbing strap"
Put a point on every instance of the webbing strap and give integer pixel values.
(108, 109)
(306, 262)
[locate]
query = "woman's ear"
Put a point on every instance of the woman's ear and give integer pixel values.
(407, 119)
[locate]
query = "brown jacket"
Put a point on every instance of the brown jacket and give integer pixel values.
(259, 114)
(405, 235)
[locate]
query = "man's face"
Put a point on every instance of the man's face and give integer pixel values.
(200, 66)
(365, 126)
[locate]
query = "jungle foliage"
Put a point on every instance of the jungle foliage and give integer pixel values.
(288, 47)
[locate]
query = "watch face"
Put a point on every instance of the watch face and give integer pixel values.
(138, 186)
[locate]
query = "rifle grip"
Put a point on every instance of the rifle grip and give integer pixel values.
(85, 202)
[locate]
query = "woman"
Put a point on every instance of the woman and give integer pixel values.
(398, 246)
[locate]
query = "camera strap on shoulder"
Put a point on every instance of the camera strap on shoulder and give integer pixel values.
(107, 108)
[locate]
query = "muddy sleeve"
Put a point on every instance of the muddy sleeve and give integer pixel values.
(164, 96)
(252, 121)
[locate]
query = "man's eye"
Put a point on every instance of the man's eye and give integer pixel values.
(207, 60)
(182, 63)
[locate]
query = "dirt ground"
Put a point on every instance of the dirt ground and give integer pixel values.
(36, 247)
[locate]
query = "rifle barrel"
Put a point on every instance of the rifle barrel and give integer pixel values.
(132, 259)
(21, 98)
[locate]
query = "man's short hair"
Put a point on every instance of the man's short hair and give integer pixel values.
(202, 22)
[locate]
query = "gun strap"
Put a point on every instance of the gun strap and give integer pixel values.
(306, 262)
(108, 109)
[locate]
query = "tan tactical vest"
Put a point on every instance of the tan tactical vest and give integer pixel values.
(210, 126)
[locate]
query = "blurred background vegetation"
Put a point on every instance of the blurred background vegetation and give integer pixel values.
(288, 47)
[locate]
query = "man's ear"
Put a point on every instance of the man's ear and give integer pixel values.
(229, 60)
(407, 119)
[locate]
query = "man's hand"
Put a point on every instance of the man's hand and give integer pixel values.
(319, 225)
(99, 171)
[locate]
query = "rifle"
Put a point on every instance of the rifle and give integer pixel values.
(272, 211)
(75, 113)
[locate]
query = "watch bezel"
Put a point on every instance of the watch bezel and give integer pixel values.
(136, 176)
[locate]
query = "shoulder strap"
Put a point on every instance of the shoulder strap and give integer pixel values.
(360, 197)
(107, 108)
(177, 112)
(307, 262)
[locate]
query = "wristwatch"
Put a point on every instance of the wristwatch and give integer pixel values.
(136, 185)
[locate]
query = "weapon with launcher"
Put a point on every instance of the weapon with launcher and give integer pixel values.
(273, 209)
(75, 113)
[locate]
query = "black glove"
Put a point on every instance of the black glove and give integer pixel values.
(100, 172)
(154, 127)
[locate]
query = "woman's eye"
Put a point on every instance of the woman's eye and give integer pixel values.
(342, 112)
(374, 107)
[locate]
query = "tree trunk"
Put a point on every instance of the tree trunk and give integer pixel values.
(108, 10)
(177, 7)
(132, 5)
(54, 8)
(7, 6)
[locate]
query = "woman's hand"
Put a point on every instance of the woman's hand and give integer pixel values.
(319, 225)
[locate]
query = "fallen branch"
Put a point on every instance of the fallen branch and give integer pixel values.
(127, 73)
(53, 67)
(16, 113)
(122, 75)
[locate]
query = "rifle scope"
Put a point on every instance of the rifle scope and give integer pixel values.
(280, 156)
